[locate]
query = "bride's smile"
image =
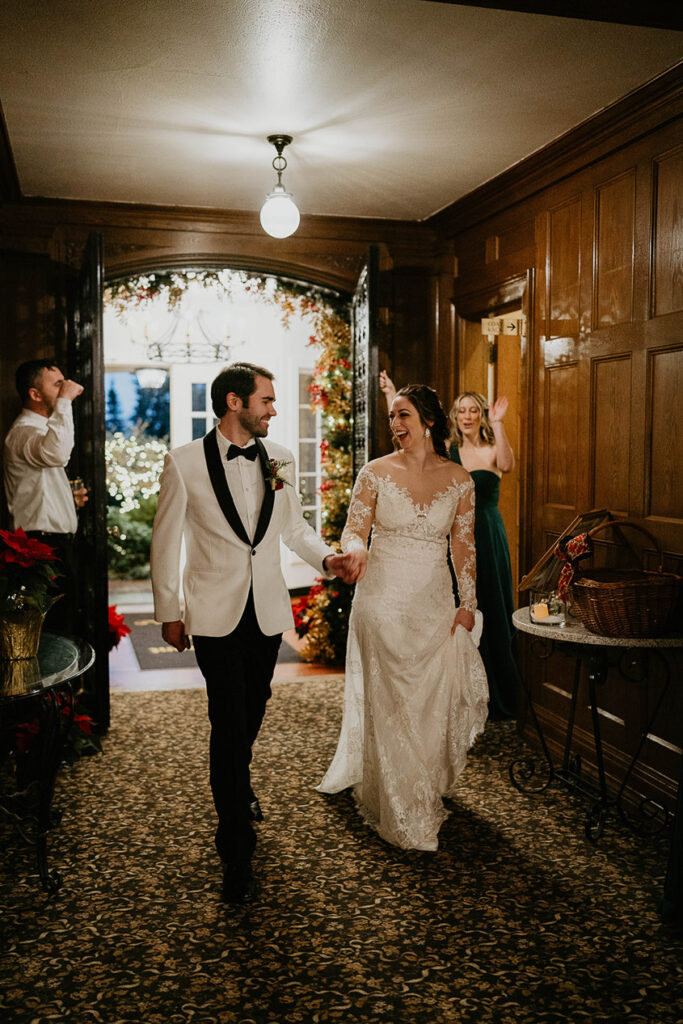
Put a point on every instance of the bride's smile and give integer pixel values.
(405, 422)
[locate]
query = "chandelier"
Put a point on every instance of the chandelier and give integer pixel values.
(177, 346)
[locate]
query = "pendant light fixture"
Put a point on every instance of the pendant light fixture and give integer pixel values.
(279, 214)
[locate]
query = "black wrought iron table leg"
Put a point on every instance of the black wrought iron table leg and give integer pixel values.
(56, 725)
(654, 815)
(596, 671)
(567, 758)
(522, 770)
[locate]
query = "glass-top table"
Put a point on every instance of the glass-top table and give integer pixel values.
(60, 659)
(40, 688)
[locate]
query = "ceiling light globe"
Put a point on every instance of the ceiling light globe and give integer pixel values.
(279, 214)
(150, 377)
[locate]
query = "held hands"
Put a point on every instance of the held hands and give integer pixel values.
(70, 389)
(463, 618)
(175, 636)
(498, 409)
(349, 567)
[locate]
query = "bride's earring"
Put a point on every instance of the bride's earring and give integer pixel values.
(428, 433)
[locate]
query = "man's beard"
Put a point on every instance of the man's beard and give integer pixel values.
(254, 425)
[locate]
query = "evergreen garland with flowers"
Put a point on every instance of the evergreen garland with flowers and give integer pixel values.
(322, 616)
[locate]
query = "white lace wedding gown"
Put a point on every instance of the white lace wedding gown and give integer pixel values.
(415, 697)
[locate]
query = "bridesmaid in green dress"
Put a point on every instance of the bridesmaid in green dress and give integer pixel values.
(480, 444)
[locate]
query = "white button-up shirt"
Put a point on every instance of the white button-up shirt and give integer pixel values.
(246, 483)
(37, 448)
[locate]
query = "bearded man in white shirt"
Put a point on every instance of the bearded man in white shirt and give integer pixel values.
(233, 497)
(39, 497)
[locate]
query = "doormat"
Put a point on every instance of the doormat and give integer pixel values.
(153, 653)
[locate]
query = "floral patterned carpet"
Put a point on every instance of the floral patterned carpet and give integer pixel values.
(516, 918)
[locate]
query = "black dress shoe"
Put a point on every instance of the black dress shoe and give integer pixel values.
(239, 884)
(255, 812)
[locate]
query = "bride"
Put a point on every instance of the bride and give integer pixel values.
(416, 692)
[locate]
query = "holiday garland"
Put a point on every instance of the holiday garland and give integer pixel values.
(322, 615)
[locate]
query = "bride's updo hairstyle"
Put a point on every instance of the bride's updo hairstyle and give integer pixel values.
(430, 411)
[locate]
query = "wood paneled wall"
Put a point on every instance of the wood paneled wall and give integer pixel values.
(604, 243)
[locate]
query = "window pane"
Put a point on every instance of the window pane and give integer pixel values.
(198, 427)
(307, 490)
(304, 394)
(306, 423)
(198, 398)
(308, 452)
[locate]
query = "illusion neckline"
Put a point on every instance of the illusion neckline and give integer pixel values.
(423, 506)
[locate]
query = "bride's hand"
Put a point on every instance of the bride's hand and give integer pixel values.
(355, 566)
(463, 618)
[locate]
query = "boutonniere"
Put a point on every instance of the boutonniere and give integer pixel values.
(272, 473)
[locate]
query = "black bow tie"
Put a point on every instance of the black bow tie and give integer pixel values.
(251, 453)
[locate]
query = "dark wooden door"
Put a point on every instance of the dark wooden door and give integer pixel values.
(86, 363)
(364, 320)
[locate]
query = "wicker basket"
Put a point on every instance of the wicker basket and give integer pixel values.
(636, 602)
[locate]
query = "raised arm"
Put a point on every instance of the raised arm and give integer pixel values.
(53, 448)
(361, 516)
(505, 457)
(387, 387)
(463, 555)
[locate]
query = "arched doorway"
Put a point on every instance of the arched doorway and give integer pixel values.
(86, 356)
(166, 335)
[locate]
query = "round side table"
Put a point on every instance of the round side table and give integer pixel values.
(40, 689)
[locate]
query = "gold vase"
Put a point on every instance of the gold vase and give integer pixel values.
(18, 677)
(20, 634)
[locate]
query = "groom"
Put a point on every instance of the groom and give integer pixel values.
(232, 497)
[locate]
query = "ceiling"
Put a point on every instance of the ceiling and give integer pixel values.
(397, 107)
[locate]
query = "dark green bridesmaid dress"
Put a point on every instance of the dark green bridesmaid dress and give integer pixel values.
(494, 592)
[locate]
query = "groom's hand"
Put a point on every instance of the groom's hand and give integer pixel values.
(350, 567)
(174, 634)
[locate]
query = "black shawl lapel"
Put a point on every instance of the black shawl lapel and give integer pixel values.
(269, 497)
(221, 489)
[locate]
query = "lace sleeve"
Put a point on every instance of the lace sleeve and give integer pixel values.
(462, 548)
(361, 513)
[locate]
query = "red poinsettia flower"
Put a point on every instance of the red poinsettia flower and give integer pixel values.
(23, 550)
(117, 627)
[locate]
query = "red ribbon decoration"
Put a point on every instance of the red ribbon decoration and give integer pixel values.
(571, 551)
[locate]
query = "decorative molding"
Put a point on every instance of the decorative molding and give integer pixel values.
(665, 15)
(474, 304)
(637, 114)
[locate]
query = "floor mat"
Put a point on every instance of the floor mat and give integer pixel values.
(153, 653)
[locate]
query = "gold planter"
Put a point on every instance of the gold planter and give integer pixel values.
(20, 634)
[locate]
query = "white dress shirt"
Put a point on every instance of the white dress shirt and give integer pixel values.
(246, 483)
(37, 448)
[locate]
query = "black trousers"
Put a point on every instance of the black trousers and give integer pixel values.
(63, 617)
(238, 669)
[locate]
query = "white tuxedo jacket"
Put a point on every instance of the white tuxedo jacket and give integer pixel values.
(222, 561)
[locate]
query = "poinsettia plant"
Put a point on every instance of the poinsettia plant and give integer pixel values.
(28, 573)
(117, 627)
